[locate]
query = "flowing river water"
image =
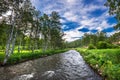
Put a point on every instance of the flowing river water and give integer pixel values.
(65, 66)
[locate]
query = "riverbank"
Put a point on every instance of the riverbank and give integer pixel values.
(64, 66)
(105, 61)
(28, 55)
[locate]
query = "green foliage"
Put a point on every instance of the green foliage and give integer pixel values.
(115, 46)
(105, 61)
(103, 45)
(87, 39)
(1, 56)
(91, 46)
(27, 55)
(3, 34)
(27, 28)
(115, 38)
(114, 10)
(109, 42)
(4, 6)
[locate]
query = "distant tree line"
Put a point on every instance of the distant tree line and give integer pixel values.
(94, 39)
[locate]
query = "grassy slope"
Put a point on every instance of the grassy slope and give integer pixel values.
(105, 61)
(27, 55)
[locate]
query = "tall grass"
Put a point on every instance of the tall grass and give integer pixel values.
(105, 61)
(28, 55)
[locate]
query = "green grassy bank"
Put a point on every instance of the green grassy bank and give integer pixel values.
(105, 61)
(27, 55)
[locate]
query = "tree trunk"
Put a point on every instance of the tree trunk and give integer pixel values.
(45, 46)
(7, 51)
(13, 43)
(19, 45)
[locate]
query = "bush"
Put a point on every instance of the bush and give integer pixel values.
(115, 46)
(105, 61)
(2, 47)
(91, 46)
(103, 45)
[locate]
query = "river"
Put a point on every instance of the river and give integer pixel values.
(65, 66)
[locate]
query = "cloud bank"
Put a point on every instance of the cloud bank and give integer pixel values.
(79, 16)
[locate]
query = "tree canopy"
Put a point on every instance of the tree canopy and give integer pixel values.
(114, 9)
(28, 28)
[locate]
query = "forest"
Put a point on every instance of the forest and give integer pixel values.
(27, 34)
(27, 30)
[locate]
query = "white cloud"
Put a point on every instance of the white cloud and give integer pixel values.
(76, 11)
(87, 22)
(62, 20)
(110, 33)
(7, 13)
(70, 16)
(72, 35)
(71, 1)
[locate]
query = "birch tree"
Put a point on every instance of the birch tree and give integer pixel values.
(15, 23)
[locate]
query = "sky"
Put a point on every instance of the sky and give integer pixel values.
(79, 16)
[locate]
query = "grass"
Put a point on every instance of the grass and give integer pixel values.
(27, 55)
(105, 61)
(1, 56)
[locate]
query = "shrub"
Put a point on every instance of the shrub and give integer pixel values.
(2, 47)
(115, 46)
(91, 46)
(105, 61)
(103, 45)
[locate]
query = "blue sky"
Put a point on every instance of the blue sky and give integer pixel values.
(79, 16)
